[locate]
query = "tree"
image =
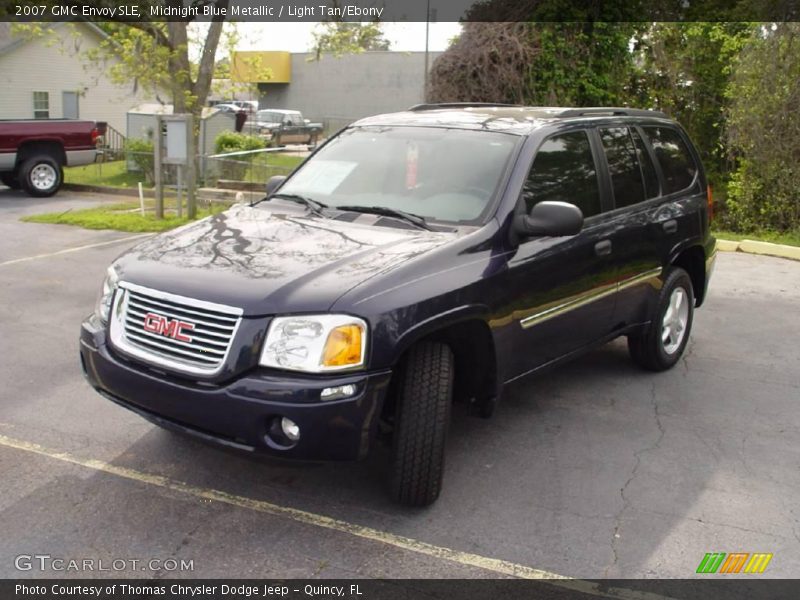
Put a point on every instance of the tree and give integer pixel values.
(763, 131)
(338, 38)
(684, 69)
(156, 57)
(557, 64)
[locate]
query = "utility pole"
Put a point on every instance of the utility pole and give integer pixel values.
(191, 169)
(427, 30)
(157, 157)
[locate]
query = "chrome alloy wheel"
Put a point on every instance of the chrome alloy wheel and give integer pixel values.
(43, 177)
(676, 317)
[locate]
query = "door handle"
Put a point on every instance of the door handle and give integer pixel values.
(602, 248)
(670, 226)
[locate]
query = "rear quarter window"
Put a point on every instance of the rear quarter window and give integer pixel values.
(677, 163)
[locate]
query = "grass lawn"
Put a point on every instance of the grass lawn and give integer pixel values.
(282, 160)
(791, 238)
(114, 174)
(122, 217)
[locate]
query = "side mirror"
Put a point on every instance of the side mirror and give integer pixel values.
(274, 183)
(550, 219)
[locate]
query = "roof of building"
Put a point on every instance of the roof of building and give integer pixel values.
(9, 41)
(503, 118)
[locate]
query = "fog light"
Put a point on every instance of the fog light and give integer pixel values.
(290, 429)
(340, 391)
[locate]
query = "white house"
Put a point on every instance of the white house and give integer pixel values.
(45, 77)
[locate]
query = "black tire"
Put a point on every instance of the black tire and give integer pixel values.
(10, 180)
(424, 400)
(41, 176)
(649, 349)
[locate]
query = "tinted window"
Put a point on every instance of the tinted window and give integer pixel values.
(623, 166)
(563, 170)
(676, 163)
(646, 164)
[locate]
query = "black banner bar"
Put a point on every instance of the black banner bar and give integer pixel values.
(733, 588)
(288, 11)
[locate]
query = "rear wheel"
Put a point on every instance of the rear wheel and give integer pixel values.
(424, 399)
(661, 345)
(41, 176)
(10, 180)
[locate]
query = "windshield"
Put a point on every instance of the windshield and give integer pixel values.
(269, 116)
(441, 174)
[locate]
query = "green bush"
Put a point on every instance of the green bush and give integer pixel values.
(230, 141)
(140, 152)
(236, 167)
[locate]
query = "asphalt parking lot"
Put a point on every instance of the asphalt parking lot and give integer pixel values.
(593, 470)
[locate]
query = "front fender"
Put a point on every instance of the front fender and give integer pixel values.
(413, 332)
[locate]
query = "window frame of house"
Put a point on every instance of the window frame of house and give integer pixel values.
(37, 109)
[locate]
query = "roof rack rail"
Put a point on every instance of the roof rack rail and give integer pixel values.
(434, 106)
(600, 111)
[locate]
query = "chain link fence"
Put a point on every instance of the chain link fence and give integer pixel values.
(251, 167)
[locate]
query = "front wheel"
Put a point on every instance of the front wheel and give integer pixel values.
(41, 176)
(424, 399)
(661, 345)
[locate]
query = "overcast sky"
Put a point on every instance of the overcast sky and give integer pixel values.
(296, 37)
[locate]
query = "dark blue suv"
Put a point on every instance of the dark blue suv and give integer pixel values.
(414, 260)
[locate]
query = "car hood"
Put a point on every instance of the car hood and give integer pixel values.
(268, 262)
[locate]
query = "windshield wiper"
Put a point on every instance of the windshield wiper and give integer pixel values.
(417, 220)
(315, 206)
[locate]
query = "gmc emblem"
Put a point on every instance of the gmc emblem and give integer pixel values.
(170, 328)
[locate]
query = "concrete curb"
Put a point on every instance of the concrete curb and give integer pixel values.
(764, 248)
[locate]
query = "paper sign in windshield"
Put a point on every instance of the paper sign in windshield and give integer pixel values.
(322, 176)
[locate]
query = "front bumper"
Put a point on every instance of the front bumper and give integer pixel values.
(238, 414)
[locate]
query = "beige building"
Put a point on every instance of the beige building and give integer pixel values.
(45, 77)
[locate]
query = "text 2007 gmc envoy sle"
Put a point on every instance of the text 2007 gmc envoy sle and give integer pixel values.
(414, 260)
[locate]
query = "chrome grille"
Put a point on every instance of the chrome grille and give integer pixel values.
(173, 331)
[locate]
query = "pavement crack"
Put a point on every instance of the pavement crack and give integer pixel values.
(626, 502)
(161, 573)
(685, 357)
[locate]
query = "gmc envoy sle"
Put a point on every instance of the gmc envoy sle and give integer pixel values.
(416, 259)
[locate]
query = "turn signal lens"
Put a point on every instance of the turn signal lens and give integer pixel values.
(343, 347)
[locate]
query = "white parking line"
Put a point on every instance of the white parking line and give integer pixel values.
(495, 565)
(75, 249)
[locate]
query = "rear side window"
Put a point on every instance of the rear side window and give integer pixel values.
(564, 171)
(623, 166)
(646, 164)
(676, 162)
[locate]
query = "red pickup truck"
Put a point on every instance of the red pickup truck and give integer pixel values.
(34, 152)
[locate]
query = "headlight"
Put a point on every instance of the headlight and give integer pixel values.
(103, 308)
(315, 343)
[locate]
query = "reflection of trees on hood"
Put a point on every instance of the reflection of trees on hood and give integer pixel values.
(255, 243)
(387, 258)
